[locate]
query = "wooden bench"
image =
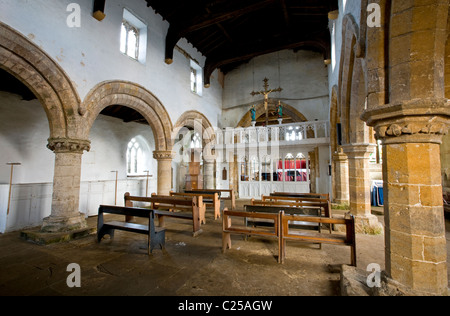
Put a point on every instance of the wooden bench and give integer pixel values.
(325, 196)
(156, 235)
(209, 199)
(337, 239)
(282, 230)
(231, 227)
(304, 211)
(323, 205)
(231, 196)
(165, 206)
(298, 202)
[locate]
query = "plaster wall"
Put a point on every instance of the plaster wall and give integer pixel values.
(23, 136)
(90, 54)
(302, 75)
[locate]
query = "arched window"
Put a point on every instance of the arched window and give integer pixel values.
(129, 40)
(135, 157)
(196, 141)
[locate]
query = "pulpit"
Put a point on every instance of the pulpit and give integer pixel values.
(194, 177)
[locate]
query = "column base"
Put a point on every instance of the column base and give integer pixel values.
(368, 224)
(53, 224)
(353, 282)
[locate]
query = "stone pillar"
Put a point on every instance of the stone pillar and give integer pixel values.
(164, 159)
(359, 187)
(340, 178)
(65, 215)
(208, 175)
(416, 253)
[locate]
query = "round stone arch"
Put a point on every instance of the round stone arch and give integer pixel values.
(135, 97)
(45, 78)
(194, 119)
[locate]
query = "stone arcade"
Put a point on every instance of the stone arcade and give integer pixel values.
(141, 87)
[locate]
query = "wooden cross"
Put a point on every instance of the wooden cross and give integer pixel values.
(266, 93)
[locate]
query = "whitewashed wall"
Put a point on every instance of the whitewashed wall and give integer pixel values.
(90, 54)
(302, 75)
(23, 138)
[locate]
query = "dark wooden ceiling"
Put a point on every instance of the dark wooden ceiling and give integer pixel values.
(231, 32)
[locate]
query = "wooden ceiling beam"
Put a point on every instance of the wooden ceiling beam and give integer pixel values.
(178, 31)
(252, 51)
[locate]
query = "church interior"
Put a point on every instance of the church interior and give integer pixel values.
(225, 148)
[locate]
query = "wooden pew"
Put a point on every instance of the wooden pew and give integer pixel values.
(231, 227)
(302, 195)
(164, 206)
(295, 235)
(156, 235)
(297, 202)
(281, 230)
(323, 205)
(231, 196)
(209, 199)
(303, 211)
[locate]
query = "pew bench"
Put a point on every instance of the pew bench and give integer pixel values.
(166, 206)
(230, 226)
(283, 230)
(323, 205)
(289, 234)
(304, 211)
(210, 199)
(324, 196)
(231, 196)
(156, 235)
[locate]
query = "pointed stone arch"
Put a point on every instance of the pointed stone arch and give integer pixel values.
(352, 79)
(135, 97)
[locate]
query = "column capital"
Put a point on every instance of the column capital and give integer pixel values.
(164, 155)
(67, 145)
(413, 121)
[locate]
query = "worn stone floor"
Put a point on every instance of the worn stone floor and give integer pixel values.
(190, 266)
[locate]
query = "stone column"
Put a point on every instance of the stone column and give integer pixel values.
(164, 159)
(340, 179)
(359, 187)
(65, 215)
(208, 175)
(416, 253)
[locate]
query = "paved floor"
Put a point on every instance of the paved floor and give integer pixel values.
(190, 266)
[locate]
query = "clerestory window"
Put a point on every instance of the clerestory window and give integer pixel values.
(129, 40)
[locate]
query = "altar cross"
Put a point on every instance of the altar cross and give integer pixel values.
(266, 93)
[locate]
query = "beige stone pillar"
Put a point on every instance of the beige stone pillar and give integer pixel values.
(416, 253)
(340, 178)
(65, 214)
(209, 174)
(359, 187)
(164, 159)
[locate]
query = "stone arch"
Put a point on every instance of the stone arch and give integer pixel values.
(45, 78)
(190, 119)
(133, 96)
(287, 109)
(352, 87)
(334, 120)
(358, 131)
